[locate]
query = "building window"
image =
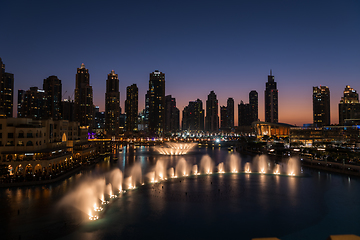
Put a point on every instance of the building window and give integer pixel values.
(29, 135)
(10, 135)
(21, 134)
(29, 143)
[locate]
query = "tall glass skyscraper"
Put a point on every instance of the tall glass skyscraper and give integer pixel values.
(271, 100)
(84, 108)
(156, 96)
(112, 105)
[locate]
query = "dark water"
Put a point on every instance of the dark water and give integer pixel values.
(226, 206)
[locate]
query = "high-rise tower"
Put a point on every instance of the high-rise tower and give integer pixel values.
(156, 96)
(112, 105)
(193, 116)
(271, 100)
(349, 106)
(131, 108)
(6, 91)
(172, 115)
(253, 101)
(230, 113)
(84, 108)
(321, 106)
(53, 89)
(212, 116)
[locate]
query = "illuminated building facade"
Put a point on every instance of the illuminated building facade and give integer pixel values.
(271, 100)
(156, 96)
(84, 108)
(112, 105)
(212, 116)
(349, 106)
(53, 89)
(6, 91)
(33, 104)
(321, 106)
(131, 108)
(254, 103)
(223, 118)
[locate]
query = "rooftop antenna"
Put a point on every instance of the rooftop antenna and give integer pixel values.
(270, 72)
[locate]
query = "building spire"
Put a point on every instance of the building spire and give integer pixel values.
(270, 72)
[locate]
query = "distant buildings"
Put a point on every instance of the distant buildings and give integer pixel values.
(84, 108)
(271, 100)
(131, 108)
(172, 115)
(227, 115)
(193, 116)
(112, 105)
(53, 91)
(321, 106)
(248, 113)
(156, 98)
(212, 116)
(349, 106)
(33, 103)
(6, 91)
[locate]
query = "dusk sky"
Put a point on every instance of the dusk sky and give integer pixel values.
(225, 46)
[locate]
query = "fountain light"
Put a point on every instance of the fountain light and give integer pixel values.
(292, 174)
(97, 209)
(276, 172)
(262, 171)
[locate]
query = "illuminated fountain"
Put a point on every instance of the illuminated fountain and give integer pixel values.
(262, 164)
(277, 169)
(195, 170)
(182, 168)
(174, 148)
(220, 168)
(234, 163)
(293, 167)
(92, 196)
(247, 167)
(206, 165)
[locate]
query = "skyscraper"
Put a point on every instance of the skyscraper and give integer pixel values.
(223, 118)
(131, 108)
(253, 101)
(6, 91)
(32, 103)
(84, 108)
(212, 116)
(271, 100)
(321, 106)
(193, 116)
(244, 114)
(112, 105)
(248, 112)
(53, 89)
(172, 115)
(230, 113)
(349, 106)
(156, 96)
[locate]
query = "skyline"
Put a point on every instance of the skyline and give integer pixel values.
(228, 48)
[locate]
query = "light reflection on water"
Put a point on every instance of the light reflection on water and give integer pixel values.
(188, 209)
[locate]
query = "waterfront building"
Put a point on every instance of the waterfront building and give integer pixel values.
(193, 116)
(84, 108)
(6, 91)
(321, 106)
(212, 116)
(271, 100)
(172, 115)
(271, 130)
(53, 91)
(37, 147)
(156, 98)
(112, 105)
(349, 106)
(131, 108)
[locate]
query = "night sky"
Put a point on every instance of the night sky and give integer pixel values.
(225, 46)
